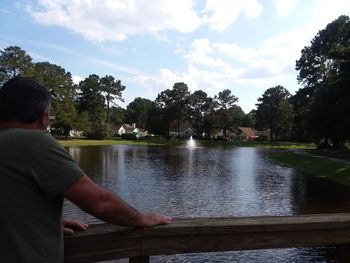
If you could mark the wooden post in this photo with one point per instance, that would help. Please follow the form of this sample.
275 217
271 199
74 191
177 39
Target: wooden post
343 252
144 259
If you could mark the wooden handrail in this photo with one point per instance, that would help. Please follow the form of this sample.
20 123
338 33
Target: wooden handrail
106 241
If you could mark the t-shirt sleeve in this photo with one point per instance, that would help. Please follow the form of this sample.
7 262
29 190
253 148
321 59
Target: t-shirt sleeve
52 167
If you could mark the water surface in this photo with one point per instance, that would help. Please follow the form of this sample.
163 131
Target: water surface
211 182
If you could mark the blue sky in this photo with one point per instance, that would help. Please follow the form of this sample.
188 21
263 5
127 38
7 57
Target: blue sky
246 46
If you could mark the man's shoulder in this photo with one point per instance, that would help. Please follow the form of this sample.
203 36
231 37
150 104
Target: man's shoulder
23 132
24 135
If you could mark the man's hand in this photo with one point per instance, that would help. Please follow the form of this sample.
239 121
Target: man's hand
153 219
69 225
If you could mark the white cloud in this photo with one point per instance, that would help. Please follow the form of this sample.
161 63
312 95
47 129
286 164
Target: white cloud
210 81
116 19
195 78
76 79
37 57
283 7
204 54
268 60
221 14
200 53
233 50
113 66
326 11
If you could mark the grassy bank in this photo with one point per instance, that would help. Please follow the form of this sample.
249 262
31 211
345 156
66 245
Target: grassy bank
114 141
173 142
274 145
334 153
336 171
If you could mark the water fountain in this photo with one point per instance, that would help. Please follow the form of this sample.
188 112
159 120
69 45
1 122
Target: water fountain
191 143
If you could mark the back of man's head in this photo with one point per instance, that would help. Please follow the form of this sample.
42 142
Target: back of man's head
23 100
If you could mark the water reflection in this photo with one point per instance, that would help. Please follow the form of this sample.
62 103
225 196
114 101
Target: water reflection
216 182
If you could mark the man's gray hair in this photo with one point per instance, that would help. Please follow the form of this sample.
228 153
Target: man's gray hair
23 99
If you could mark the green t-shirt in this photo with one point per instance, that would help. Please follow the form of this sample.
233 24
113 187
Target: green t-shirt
34 172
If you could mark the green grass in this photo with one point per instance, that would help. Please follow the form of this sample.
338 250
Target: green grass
336 171
114 141
334 153
274 145
173 142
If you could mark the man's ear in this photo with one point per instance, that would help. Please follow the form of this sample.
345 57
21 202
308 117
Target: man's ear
44 119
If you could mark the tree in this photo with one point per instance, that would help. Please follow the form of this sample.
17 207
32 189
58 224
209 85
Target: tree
138 111
249 119
324 73
301 110
162 112
63 91
91 101
117 115
112 89
13 62
172 104
274 112
198 106
236 116
210 120
179 103
224 101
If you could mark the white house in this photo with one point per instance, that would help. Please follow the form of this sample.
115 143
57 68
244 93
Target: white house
128 129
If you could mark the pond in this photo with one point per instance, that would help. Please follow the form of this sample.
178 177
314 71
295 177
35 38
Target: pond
211 182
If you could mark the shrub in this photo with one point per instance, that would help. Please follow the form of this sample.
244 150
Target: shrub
127 136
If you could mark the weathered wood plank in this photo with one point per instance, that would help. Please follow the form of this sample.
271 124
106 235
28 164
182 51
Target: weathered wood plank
243 241
199 226
104 242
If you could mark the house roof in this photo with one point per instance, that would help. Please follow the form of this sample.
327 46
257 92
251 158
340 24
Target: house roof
247 131
118 126
127 127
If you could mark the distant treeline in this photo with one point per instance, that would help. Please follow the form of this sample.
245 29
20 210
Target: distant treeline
317 112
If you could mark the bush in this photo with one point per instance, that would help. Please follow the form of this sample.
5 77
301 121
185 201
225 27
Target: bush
324 145
127 136
262 138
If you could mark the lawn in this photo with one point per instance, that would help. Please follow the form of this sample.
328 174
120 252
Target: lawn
113 141
173 142
336 171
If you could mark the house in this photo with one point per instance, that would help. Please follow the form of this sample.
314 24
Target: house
246 134
241 134
186 131
127 129
264 134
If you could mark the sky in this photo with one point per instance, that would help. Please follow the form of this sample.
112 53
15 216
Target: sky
246 46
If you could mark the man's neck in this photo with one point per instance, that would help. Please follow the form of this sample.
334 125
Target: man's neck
20 125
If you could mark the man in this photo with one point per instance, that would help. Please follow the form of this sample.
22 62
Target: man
36 173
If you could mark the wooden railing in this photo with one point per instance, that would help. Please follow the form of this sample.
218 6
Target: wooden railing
106 242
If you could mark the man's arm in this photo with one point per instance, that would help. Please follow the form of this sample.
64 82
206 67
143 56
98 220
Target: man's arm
108 207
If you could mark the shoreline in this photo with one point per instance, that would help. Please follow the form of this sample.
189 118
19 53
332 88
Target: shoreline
174 142
318 166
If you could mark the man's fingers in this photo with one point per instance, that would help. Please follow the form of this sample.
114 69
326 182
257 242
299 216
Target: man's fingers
81 226
68 231
153 219
166 219
75 224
